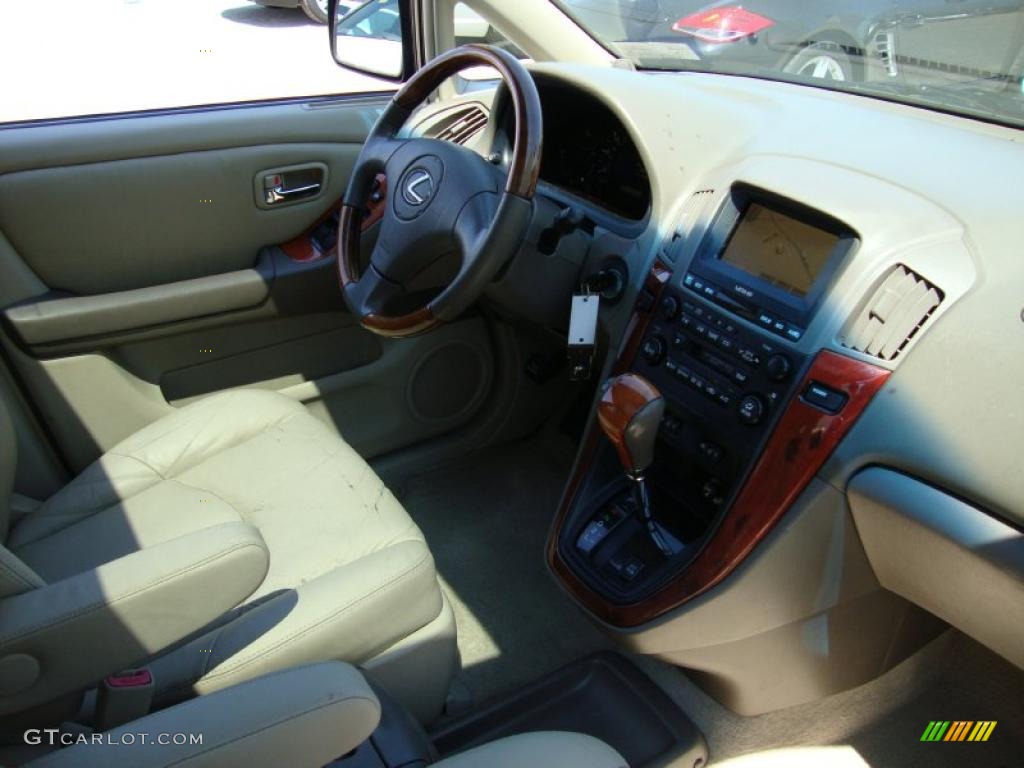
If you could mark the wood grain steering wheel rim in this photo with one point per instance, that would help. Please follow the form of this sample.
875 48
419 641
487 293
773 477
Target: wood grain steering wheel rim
509 208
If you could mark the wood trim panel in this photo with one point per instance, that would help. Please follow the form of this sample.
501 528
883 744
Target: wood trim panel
302 248
637 327
800 444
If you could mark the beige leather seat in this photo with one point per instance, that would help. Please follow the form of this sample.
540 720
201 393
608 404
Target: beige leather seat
301 718
239 532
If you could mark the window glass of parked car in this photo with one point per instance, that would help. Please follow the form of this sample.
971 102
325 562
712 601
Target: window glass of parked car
963 57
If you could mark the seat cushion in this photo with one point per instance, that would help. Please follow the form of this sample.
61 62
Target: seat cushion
544 749
350 574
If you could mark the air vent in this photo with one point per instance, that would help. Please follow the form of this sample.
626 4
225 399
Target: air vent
688 217
897 310
463 126
885 52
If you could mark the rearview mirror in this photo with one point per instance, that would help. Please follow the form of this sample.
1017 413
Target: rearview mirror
368 39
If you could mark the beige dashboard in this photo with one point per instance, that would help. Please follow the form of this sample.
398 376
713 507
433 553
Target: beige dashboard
931 195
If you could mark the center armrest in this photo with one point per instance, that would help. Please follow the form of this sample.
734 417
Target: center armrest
124 611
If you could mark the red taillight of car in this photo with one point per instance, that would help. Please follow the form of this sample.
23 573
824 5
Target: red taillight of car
722 25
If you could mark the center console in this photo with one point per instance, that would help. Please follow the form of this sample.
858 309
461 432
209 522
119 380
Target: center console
719 338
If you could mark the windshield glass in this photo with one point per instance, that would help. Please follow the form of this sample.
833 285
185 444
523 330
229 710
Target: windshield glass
961 56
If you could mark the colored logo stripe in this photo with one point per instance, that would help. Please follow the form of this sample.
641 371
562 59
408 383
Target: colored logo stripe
958 730
982 730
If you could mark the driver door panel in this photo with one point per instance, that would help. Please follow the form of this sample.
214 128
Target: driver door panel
138 273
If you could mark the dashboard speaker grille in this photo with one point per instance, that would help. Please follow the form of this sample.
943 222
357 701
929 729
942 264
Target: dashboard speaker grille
463 126
897 310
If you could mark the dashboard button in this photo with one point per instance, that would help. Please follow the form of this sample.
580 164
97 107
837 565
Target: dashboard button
751 409
711 492
748 355
824 397
710 451
670 307
654 349
777 367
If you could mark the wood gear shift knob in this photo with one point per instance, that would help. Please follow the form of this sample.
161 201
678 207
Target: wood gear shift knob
630 412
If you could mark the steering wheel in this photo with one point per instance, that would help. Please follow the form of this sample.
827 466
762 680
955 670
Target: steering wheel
445 206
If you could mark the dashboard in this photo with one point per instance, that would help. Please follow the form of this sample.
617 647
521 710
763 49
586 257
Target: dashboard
588 152
812 296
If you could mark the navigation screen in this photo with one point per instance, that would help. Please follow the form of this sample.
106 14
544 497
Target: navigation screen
779 249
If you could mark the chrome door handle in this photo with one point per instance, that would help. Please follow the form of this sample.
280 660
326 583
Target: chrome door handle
279 194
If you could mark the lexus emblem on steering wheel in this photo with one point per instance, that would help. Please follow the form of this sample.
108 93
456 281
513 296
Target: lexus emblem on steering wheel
419 186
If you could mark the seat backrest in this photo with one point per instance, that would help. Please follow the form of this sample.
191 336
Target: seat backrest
8 465
15 576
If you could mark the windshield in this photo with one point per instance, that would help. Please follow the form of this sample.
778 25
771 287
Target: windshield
961 56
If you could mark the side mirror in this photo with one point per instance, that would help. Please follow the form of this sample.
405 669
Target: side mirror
368 39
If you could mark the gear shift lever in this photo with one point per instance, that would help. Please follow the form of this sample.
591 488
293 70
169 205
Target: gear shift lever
630 412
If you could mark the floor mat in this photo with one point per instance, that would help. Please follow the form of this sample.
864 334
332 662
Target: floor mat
953 678
486 520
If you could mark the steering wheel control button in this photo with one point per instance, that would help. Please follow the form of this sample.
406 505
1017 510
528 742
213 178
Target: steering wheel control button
418 186
824 397
751 410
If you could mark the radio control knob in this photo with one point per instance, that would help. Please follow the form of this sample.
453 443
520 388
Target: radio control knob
654 350
751 410
670 308
778 367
